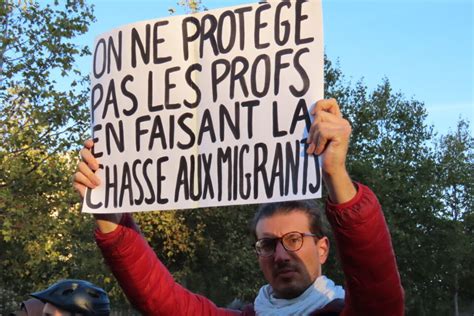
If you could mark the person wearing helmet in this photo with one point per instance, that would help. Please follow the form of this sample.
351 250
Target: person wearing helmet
30 307
74 297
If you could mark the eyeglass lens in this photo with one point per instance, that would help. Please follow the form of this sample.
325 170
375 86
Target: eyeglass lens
292 242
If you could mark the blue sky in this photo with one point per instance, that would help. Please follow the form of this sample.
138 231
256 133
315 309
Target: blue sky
424 47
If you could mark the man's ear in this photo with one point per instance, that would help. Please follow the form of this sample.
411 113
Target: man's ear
323 249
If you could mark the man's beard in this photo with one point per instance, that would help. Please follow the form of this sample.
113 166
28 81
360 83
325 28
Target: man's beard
291 287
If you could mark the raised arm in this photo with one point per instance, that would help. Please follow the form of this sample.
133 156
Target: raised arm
372 280
84 178
329 137
146 282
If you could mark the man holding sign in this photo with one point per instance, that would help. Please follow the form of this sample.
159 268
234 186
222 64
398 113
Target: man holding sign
290 251
177 109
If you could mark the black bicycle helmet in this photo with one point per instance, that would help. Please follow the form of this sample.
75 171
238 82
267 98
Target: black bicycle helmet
76 296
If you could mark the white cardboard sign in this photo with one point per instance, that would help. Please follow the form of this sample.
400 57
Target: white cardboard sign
208 109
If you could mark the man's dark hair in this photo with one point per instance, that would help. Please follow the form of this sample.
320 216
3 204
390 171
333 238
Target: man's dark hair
309 207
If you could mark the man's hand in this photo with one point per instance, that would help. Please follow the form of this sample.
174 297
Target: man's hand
329 137
84 178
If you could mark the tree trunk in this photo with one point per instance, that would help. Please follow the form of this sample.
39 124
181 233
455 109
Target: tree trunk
456 305
3 46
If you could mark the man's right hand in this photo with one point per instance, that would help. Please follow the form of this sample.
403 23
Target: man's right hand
84 178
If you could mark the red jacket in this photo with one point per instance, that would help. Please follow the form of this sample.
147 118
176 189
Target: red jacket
372 281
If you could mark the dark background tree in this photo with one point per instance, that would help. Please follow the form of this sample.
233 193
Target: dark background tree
455 166
424 182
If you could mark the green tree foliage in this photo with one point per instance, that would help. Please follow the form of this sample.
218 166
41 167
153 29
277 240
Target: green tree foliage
37 50
456 177
456 173
43 112
189 6
424 184
39 117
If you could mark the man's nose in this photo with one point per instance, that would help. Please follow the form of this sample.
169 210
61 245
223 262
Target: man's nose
281 254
